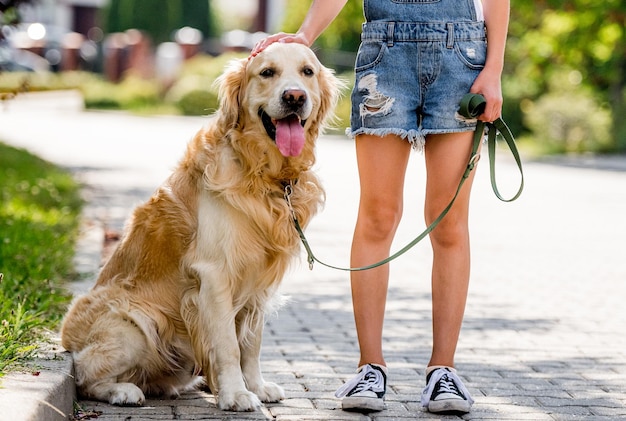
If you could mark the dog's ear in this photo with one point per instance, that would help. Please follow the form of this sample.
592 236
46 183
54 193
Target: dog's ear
330 89
230 91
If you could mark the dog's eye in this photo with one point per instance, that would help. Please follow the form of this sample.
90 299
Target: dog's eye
267 73
308 71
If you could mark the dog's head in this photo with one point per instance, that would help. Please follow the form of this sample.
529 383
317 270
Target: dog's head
284 92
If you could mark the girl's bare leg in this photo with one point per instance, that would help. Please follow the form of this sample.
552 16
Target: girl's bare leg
382 163
446 157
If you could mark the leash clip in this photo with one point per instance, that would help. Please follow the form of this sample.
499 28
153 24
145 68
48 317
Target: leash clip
287 196
473 161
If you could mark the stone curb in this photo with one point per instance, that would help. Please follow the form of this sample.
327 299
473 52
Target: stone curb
46 394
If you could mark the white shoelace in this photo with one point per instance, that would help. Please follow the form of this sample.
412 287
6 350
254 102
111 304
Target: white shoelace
366 379
452 378
446 385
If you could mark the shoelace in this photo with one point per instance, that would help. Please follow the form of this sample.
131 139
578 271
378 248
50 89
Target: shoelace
447 385
367 379
451 377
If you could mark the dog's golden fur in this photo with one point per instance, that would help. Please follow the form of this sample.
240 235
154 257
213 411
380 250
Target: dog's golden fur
187 288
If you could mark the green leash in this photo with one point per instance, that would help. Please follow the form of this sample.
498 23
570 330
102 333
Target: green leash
471 106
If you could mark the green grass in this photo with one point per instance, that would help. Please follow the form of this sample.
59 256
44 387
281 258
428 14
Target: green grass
39 215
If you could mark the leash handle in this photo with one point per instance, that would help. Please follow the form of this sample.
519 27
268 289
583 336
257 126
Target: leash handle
471 106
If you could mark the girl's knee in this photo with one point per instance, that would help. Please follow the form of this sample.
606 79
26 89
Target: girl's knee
379 223
450 234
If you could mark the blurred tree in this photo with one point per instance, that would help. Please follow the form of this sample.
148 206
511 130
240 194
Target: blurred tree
159 18
198 14
580 42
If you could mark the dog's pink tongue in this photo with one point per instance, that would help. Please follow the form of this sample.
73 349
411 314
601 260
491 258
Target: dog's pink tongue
289 136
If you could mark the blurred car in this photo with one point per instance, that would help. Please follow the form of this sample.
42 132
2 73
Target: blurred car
13 60
46 41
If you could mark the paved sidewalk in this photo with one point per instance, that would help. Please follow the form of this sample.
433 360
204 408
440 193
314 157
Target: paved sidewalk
543 334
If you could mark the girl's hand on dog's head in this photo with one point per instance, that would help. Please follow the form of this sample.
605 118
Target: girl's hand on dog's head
279 37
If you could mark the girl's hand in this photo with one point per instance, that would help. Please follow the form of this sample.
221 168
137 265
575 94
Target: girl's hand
279 37
488 85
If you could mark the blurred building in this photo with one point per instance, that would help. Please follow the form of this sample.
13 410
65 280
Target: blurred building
269 16
71 15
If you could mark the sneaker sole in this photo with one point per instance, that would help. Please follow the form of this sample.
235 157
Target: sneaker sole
358 404
452 405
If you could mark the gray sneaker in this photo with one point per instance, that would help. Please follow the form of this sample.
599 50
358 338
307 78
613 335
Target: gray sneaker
445 392
366 391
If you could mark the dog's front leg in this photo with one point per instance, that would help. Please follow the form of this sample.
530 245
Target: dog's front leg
251 365
219 346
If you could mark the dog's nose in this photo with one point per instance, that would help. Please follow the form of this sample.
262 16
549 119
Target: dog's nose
294 98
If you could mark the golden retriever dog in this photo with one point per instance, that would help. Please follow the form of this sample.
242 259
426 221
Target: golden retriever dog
187 289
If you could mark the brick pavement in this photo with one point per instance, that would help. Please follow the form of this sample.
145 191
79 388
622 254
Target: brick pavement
542 335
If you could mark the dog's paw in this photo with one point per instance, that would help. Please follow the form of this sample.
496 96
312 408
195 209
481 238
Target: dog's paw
239 401
270 392
126 394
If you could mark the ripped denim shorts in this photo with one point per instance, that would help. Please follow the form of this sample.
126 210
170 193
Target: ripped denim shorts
411 76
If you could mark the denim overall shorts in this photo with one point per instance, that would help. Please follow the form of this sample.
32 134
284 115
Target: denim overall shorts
416 60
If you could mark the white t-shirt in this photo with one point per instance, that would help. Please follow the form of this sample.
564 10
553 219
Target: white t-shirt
478 5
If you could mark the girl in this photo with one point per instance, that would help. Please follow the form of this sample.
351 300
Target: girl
416 60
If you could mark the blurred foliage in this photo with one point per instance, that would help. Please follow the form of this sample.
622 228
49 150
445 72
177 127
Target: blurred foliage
568 118
564 50
194 91
159 18
197 102
565 55
132 93
9 13
344 33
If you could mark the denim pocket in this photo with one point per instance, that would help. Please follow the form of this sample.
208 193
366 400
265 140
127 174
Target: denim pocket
369 55
472 53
